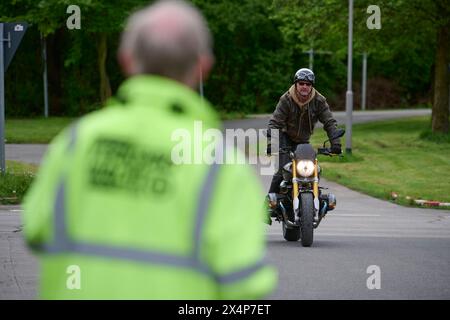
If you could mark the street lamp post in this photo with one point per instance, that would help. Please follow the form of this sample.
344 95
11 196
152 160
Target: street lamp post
364 82
2 105
349 94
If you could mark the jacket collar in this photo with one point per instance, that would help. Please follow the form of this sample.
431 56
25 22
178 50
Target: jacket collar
152 91
146 88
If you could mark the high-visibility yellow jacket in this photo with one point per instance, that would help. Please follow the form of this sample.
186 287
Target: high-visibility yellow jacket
111 216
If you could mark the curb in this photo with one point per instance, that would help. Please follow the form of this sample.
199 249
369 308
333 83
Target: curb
421 202
432 203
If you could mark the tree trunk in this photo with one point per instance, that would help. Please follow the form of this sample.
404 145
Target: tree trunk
440 112
54 65
102 51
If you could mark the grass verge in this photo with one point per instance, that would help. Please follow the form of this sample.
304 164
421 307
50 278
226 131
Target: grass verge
43 130
398 156
39 130
16 181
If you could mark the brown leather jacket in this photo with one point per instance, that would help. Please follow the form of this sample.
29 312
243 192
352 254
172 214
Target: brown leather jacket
298 121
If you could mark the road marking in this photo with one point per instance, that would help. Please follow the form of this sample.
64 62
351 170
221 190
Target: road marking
371 235
353 215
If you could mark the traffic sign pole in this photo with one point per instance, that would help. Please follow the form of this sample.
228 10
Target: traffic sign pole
15 32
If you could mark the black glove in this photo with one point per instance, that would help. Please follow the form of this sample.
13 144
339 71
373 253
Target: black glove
336 149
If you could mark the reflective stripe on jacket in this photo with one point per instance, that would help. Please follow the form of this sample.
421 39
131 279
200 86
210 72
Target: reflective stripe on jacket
109 201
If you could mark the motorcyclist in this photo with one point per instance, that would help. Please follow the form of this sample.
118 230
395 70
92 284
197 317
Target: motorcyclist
295 116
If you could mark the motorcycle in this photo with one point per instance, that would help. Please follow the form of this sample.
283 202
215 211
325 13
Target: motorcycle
302 204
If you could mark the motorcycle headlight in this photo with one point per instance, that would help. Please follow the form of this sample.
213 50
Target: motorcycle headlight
305 168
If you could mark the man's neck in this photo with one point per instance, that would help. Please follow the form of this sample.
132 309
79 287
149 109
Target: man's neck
304 98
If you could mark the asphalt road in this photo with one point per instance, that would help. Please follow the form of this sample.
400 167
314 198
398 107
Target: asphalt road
409 246
18 267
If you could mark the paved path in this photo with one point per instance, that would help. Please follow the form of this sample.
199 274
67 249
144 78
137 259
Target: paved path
261 121
32 153
29 153
18 267
409 245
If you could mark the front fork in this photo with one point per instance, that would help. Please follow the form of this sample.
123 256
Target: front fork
296 189
316 187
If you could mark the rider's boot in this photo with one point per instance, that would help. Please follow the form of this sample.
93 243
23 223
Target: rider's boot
267 211
270 205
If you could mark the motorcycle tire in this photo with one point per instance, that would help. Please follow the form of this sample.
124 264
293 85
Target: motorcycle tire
307 218
290 234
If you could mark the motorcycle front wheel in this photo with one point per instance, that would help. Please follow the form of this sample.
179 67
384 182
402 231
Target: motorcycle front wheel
307 218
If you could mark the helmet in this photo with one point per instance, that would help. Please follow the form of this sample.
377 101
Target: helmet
304 74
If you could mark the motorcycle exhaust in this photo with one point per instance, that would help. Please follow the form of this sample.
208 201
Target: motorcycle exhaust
285 216
331 201
272 200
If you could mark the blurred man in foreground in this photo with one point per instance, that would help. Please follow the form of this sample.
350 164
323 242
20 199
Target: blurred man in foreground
111 215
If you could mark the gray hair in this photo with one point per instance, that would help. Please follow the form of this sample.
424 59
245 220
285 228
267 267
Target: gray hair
166 39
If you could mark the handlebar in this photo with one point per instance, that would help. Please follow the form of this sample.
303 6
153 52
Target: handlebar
327 152
324 151
281 151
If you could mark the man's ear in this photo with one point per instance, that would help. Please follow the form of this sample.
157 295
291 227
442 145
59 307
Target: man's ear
126 63
200 71
204 66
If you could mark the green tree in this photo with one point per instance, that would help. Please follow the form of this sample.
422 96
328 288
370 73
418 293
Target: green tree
258 46
413 38
252 63
102 20
99 21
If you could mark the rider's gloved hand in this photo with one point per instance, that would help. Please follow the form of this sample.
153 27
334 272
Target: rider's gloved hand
336 149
